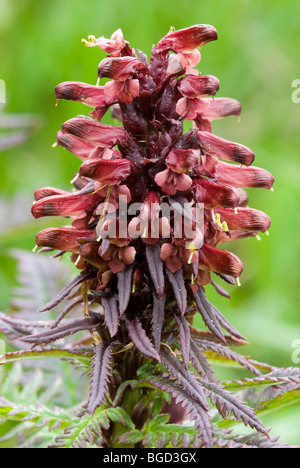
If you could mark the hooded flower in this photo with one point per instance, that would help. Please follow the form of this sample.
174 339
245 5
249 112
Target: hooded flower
152 204
152 160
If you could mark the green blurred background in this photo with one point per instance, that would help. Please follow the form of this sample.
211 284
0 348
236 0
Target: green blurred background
256 59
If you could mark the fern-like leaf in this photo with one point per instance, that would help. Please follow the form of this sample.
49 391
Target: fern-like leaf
158 314
111 314
184 338
124 287
67 290
208 315
177 282
156 271
140 339
196 412
71 328
184 377
227 404
100 376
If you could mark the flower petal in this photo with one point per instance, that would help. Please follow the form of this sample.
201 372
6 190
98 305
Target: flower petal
225 149
65 239
214 194
94 132
243 177
198 86
69 204
107 171
188 39
120 68
219 261
92 96
245 219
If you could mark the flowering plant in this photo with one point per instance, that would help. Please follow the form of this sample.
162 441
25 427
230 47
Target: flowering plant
150 205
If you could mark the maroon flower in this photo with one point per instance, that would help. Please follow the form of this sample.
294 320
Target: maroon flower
187 40
154 162
109 172
144 253
193 88
113 46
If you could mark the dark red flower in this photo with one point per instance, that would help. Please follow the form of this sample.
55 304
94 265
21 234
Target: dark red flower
187 40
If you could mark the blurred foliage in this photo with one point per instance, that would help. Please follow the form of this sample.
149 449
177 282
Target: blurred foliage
256 60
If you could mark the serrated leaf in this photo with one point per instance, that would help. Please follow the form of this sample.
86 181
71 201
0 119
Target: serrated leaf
197 414
200 362
78 435
208 315
157 422
230 355
227 325
120 416
111 314
81 356
184 377
184 338
177 282
71 328
124 287
131 437
158 315
36 414
67 290
227 404
140 340
101 373
280 402
228 439
156 270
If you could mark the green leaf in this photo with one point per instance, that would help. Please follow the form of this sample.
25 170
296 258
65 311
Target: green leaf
120 416
276 377
156 423
81 356
280 402
36 414
83 431
224 361
131 437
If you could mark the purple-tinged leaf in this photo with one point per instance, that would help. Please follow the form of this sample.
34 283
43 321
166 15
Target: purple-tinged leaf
200 362
101 373
229 354
158 315
228 404
290 374
220 290
177 282
208 315
196 412
140 340
111 314
226 325
184 377
124 288
67 309
228 279
61 332
66 291
208 336
131 437
14 328
156 270
248 441
83 357
184 339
